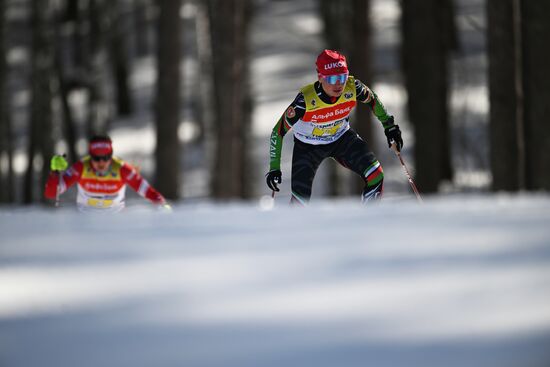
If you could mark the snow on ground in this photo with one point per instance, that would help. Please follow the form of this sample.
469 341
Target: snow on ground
458 281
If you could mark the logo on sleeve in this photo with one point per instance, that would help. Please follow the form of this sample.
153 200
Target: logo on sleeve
290 112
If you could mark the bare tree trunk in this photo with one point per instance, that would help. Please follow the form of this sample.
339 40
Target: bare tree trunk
6 116
229 22
505 97
80 44
5 136
167 104
425 59
10 176
205 115
118 35
360 65
69 128
448 43
536 83
247 103
72 13
41 142
99 115
7 177
340 13
142 28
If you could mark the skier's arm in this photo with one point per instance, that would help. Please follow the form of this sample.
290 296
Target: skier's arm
140 185
68 178
391 130
366 95
276 144
292 114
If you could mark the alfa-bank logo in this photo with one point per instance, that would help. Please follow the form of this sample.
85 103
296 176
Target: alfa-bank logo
336 113
332 65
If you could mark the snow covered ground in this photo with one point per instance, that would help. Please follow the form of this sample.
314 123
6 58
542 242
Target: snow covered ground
458 281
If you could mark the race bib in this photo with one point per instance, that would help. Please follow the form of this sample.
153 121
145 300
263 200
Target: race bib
99 203
327 131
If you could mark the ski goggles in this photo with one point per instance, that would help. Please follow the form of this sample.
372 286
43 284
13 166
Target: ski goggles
104 158
336 78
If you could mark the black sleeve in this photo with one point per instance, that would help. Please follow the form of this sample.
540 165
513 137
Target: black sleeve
296 110
362 92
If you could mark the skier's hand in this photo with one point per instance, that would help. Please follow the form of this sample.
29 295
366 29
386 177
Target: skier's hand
58 163
273 178
393 134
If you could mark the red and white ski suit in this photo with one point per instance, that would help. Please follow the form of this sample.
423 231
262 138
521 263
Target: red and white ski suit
101 192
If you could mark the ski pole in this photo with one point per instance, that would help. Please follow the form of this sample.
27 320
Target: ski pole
58 189
411 182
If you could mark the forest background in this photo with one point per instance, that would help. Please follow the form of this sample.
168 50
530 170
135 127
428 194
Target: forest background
189 90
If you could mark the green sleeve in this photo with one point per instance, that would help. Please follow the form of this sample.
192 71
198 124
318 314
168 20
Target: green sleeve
276 145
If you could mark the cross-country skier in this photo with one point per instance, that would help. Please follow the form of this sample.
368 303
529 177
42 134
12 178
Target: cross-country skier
101 179
319 118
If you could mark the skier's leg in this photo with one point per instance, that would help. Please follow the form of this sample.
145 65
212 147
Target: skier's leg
354 153
306 158
374 182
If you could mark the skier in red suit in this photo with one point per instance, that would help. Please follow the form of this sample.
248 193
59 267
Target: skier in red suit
101 179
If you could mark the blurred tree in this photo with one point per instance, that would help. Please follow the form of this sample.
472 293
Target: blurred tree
505 96
360 62
336 16
229 24
69 124
99 115
429 34
360 66
6 147
519 91
203 110
73 15
535 24
142 9
118 35
42 66
167 104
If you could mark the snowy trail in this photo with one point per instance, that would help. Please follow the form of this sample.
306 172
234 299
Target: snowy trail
460 281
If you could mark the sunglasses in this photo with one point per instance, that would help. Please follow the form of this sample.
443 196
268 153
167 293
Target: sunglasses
333 79
97 158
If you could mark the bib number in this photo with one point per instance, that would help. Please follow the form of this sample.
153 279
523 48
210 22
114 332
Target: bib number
327 131
99 203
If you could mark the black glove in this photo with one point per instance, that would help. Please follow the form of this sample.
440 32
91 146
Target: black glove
393 134
273 178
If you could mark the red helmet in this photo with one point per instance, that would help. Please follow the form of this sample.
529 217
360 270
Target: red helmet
100 146
331 62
